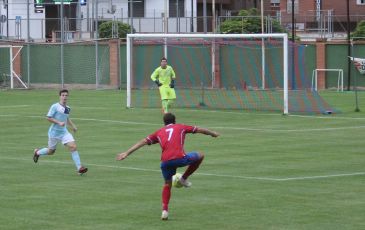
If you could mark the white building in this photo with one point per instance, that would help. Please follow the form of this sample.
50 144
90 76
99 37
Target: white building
146 16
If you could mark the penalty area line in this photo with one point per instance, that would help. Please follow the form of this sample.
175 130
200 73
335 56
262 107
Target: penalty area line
212 127
202 174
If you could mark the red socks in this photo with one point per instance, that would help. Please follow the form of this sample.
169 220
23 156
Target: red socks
166 193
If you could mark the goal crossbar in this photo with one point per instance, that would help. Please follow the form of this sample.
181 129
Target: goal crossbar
283 36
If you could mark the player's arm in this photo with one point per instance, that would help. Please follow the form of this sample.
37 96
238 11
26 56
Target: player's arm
52 120
72 125
206 132
135 147
154 77
173 76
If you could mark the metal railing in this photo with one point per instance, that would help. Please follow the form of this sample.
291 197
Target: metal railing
324 24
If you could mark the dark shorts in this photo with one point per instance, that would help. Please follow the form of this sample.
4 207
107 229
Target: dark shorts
168 168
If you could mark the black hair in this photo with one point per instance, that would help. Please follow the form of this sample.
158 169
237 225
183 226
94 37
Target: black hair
63 91
169 118
163 58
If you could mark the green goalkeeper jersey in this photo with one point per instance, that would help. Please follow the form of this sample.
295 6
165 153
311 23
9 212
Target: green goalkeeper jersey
164 76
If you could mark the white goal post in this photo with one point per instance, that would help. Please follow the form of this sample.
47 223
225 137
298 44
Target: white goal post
339 78
12 73
282 36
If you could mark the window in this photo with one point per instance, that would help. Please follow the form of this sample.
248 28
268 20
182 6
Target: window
176 6
360 2
296 6
275 3
138 8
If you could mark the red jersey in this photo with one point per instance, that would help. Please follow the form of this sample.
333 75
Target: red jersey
171 139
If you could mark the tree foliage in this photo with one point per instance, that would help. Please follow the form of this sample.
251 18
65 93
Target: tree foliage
105 29
359 33
249 22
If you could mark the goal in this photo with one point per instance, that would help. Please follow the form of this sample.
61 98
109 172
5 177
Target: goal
339 78
221 71
10 70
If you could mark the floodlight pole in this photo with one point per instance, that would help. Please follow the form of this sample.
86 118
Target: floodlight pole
192 17
131 15
28 41
292 20
62 41
213 47
96 46
205 15
165 29
293 43
348 45
7 19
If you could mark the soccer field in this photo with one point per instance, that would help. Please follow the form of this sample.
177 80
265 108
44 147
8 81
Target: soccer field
265 171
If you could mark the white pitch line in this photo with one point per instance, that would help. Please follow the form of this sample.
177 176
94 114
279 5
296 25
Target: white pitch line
316 116
212 127
227 112
93 108
329 117
89 119
114 121
14 106
202 174
323 176
290 130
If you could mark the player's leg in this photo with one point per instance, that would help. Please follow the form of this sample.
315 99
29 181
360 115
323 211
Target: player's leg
69 141
165 105
171 95
194 159
170 103
167 172
164 98
166 195
50 150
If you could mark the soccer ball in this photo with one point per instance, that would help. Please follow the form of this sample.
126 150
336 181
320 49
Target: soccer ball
176 180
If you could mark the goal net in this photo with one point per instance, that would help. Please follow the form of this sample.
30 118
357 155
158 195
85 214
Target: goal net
222 71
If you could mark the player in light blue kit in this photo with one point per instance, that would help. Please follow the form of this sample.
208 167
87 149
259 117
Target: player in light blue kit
58 115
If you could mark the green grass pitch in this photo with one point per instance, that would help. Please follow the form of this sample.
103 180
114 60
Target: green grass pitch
265 171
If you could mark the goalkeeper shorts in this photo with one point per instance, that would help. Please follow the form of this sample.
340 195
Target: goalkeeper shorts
167 93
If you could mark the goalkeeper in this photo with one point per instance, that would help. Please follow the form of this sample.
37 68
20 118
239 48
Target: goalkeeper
164 77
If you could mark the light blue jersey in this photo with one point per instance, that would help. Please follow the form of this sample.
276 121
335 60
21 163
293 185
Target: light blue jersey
60 113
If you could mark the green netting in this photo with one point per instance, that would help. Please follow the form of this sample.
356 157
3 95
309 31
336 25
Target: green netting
44 63
79 65
4 66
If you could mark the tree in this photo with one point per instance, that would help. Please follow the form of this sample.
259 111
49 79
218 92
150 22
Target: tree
359 32
106 28
249 22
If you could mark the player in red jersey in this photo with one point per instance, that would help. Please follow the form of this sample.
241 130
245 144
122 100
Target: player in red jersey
171 138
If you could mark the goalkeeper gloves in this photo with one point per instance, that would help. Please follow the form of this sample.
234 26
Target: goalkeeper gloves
172 84
158 83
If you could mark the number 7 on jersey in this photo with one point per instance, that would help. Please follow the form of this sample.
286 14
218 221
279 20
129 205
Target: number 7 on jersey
170 131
